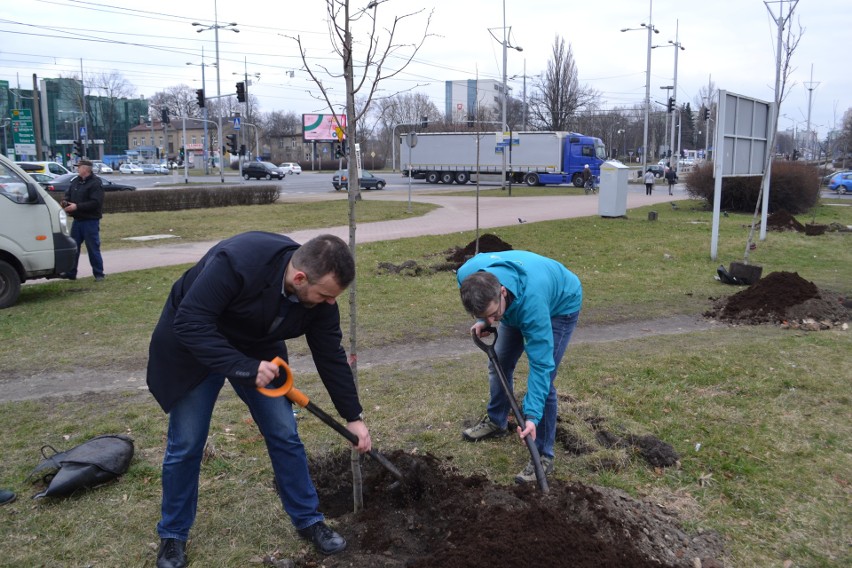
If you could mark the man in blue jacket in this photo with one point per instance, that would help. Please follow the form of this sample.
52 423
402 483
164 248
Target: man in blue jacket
536 302
226 318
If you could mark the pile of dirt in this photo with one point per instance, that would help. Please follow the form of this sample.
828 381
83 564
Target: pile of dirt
783 298
781 220
441 518
487 243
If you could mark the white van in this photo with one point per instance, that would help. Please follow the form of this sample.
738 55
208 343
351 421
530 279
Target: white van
35 240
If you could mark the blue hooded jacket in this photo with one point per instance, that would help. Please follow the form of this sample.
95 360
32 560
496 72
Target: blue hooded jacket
543 288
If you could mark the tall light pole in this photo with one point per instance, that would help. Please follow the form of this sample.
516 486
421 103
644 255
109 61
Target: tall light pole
650 27
677 48
215 27
505 126
204 110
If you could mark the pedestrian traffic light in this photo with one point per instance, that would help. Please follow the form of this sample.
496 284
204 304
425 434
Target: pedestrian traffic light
232 143
241 92
338 152
706 114
165 116
78 147
199 93
671 104
181 152
242 149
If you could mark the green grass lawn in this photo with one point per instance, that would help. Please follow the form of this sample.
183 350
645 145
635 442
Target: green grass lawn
759 415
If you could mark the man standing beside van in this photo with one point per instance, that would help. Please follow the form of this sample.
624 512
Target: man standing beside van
84 202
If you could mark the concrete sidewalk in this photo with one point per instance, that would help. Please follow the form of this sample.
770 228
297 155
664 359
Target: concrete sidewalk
454 214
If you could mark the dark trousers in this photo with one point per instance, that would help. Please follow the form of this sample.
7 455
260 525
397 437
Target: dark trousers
88 231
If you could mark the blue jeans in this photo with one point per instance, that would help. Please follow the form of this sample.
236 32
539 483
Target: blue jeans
509 348
88 231
189 423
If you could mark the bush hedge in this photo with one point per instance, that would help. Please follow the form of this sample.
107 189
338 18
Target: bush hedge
185 198
793 187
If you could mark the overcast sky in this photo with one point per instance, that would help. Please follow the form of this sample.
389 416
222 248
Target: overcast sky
731 42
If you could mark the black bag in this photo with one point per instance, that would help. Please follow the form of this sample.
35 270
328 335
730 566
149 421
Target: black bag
92 463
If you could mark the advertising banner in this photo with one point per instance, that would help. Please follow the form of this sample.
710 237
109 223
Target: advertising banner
323 127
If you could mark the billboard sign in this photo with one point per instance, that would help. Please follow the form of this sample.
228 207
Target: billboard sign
323 127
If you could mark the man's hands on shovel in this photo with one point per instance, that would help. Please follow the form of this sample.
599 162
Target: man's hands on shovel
268 371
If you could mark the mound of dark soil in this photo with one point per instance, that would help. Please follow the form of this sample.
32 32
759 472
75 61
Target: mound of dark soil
782 221
782 297
487 243
441 518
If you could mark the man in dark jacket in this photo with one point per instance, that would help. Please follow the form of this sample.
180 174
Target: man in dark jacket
226 318
84 201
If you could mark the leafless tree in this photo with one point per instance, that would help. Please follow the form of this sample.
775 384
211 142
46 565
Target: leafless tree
558 95
365 72
402 113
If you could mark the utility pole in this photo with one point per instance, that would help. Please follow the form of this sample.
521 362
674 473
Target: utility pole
810 86
85 137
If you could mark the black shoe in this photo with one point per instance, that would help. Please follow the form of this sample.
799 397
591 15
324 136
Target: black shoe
67 276
172 553
100 278
7 497
325 540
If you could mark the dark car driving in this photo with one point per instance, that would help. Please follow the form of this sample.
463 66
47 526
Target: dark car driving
262 170
62 183
367 180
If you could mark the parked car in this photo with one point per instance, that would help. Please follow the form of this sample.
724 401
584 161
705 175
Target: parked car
43 168
262 170
291 168
130 169
101 168
841 182
366 181
44 180
154 169
61 184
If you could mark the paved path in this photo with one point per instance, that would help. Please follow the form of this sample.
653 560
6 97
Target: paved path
455 213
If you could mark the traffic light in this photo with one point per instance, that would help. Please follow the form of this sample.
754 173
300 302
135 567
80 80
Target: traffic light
242 149
671 104
78 147
199 93
232 143
165 116
241 92
706 114
338 152
181 152
424 121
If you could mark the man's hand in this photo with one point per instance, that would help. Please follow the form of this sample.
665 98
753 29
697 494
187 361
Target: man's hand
529 430
365 444
70 207
267 372
478 328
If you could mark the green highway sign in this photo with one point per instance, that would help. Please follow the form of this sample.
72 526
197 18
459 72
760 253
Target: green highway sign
23 133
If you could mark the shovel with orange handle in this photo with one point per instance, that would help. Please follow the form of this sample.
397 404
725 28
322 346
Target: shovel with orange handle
298 397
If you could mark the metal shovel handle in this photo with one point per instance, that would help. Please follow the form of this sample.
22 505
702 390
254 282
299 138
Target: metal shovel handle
540 476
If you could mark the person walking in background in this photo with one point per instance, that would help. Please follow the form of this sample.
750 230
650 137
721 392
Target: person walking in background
227 318
671 178
649 181
84 202
535 302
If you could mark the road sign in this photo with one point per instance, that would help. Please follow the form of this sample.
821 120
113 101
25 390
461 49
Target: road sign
22 131
82 132
236 123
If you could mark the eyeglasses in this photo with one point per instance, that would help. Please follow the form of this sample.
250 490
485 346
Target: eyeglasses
498 313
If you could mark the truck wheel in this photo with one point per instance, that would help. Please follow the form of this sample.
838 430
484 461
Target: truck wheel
462 178
447 177
531 179
432 177
10 285
577 180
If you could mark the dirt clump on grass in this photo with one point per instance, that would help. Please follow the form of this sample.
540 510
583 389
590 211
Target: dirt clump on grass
451 259
439 517
781 220
783 298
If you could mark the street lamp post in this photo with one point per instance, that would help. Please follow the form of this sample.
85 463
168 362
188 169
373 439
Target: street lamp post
204 112
650 27
505 126
677 48
215 27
